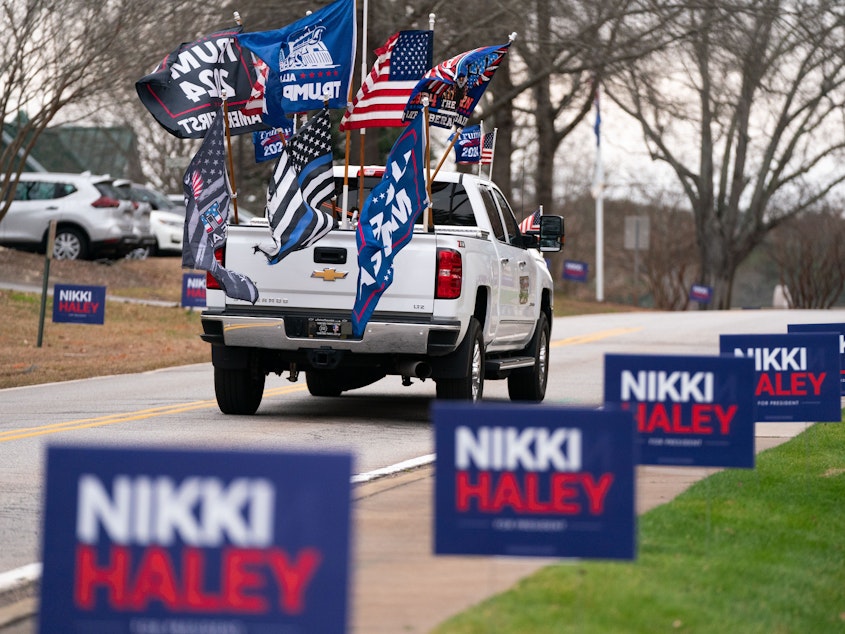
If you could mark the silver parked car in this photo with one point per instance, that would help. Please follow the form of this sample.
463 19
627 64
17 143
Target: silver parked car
127 190
92 221
167 219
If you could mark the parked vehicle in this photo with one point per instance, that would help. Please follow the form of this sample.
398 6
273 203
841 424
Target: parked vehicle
167 219
127 190
470 300
92 221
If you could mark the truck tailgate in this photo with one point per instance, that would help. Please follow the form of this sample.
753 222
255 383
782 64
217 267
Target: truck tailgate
325 275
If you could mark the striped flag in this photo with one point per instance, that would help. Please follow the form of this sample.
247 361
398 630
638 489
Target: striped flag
382 97
301 182
532 222
488 147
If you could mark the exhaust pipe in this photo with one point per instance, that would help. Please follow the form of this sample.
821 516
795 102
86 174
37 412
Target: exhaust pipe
419 369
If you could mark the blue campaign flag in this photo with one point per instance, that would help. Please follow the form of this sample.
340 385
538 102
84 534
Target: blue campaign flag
796 375
838 329
75 304
165 540
269 143
533 481
688 410
468 145
309 60
387 220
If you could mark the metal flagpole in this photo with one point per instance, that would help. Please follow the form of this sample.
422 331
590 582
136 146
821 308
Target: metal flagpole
598 193
362 131
492 154
344 204
480 146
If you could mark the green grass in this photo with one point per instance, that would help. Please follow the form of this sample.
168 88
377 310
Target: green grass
743 551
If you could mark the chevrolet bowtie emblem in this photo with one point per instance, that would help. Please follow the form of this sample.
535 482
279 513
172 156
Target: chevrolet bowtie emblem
330 275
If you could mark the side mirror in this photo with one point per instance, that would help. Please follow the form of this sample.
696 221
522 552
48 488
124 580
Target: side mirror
551 233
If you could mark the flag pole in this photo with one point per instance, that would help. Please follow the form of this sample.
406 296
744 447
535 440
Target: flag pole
448 149
480 147
492 154
230 161
428 220
362 131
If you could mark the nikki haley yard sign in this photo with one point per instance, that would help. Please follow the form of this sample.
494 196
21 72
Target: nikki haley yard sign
534 481
74 304
839 329
163 541
689 411
796 375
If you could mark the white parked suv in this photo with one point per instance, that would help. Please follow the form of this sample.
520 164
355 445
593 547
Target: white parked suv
167 219
92 221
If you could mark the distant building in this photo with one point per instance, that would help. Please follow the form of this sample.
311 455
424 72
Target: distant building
100 150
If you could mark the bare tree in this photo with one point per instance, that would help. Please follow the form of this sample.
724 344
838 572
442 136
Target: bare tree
810 253
745 107
54 55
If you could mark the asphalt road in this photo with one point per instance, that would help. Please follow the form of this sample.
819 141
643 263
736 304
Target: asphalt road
382 425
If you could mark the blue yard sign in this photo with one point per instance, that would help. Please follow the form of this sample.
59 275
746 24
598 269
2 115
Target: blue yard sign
701 293
144 540
688 410
193 290
796 375
534 481
74 304
839 329
575 271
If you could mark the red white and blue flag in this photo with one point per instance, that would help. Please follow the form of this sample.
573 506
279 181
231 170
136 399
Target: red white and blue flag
455 87
532 222
207 199
488 147
399 65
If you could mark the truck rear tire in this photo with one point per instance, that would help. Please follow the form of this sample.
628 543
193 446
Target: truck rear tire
238 391
469 387
529 384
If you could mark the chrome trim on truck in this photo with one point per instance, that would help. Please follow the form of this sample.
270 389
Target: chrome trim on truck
380 337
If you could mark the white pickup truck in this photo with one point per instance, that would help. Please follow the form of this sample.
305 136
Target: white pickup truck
470 300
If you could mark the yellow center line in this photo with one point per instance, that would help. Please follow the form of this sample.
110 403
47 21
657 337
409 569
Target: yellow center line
125 417
594 336
111 419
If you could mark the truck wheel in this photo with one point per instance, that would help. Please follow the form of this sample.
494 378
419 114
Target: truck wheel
529 384
322 383
469 387
238 391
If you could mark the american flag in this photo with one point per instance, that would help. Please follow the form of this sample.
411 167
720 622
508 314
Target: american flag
206 190
532 222
488 147
399 65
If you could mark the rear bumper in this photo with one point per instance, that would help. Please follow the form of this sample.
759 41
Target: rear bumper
381 337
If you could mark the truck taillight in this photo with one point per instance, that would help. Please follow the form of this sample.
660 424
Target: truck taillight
449 274
210 282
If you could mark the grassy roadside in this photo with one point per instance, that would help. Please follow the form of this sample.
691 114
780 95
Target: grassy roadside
134 338
742 551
